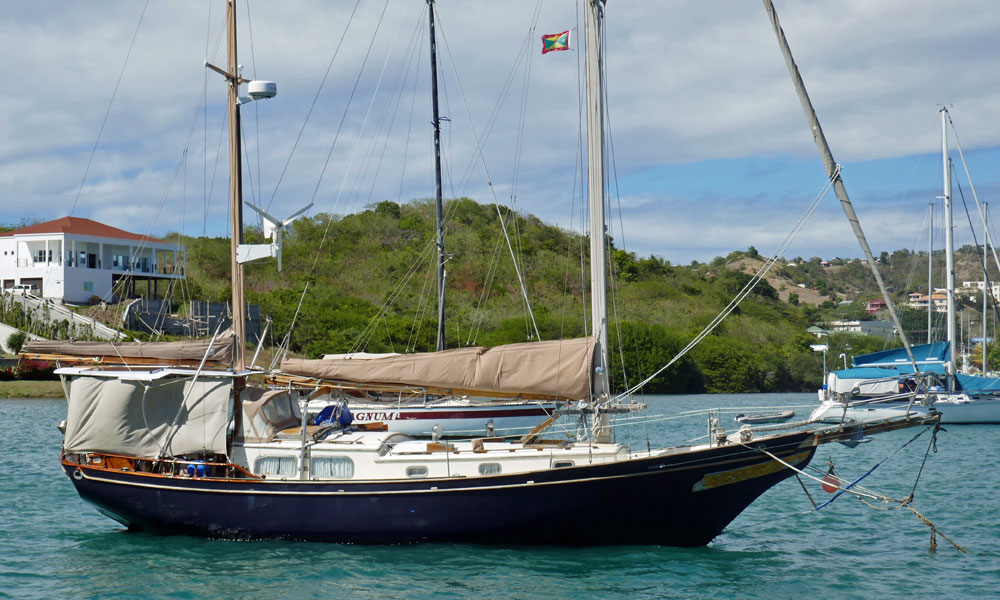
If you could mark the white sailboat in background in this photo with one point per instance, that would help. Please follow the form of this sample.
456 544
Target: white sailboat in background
882 384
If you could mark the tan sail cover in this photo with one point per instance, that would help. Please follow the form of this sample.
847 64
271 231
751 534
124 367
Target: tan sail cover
266 412
194 350
108 414
557 369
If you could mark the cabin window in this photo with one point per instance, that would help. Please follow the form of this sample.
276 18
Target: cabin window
417 471
332 467
283 466
562 464
489 469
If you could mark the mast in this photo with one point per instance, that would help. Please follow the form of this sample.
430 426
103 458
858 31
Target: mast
235 192
986 280
833 172
930 271
436 123
595 167
949 249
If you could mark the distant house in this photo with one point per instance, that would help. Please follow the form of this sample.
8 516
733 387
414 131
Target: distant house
969 288
824 263
883 329
938 301
873 306
817 331
73 259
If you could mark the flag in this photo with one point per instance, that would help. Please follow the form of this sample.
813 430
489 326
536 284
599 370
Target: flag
555 41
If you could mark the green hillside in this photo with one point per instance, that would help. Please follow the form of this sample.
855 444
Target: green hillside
371 288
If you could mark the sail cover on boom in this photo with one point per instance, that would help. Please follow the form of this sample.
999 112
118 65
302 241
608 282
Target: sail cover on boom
221 351
554 369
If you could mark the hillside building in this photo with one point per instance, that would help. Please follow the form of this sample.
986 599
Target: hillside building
73 259
938 301
971 287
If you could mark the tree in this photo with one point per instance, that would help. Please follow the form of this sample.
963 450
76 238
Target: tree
15 341
647 348
730 366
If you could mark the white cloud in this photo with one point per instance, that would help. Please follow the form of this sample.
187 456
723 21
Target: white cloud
688 82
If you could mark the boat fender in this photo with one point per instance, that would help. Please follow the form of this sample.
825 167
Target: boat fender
345 418
78 474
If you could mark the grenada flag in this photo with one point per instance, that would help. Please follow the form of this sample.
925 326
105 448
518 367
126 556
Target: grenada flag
555 41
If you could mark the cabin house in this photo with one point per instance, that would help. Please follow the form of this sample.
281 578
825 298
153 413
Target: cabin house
883 329
73 259
873 306
938 301
969 288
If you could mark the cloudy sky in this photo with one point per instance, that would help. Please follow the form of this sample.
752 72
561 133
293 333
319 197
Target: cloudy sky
711 152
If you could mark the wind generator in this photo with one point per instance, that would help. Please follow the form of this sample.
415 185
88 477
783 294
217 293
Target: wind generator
273 228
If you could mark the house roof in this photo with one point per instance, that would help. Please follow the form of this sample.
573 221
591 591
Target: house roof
81 226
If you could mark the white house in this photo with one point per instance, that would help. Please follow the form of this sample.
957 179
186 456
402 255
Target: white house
970 287
938 301
883 329
74 259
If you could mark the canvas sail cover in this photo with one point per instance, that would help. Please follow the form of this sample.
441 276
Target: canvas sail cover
266 412
194 350
556 369
113 415
934 353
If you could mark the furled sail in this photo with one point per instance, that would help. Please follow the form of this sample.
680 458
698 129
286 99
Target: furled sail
555 369
186 350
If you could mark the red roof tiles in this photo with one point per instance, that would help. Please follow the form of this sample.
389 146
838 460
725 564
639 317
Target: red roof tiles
81 226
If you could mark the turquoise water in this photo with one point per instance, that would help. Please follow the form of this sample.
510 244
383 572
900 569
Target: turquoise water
53 545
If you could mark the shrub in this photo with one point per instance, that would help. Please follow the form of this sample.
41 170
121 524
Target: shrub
35 370
15 341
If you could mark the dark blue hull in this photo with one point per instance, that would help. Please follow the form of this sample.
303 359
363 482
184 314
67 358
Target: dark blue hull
685 499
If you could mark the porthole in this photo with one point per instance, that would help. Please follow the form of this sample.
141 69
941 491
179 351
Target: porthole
332 467
489 469
416 471
283 466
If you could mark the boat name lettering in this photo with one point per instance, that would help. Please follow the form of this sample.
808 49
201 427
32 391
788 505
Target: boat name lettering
376 416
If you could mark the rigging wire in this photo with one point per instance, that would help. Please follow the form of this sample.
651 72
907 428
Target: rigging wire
340 127
204 100
319 90
743 293
256 108
104 121
489 182
987 287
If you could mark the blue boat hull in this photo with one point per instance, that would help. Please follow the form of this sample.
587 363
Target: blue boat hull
685 499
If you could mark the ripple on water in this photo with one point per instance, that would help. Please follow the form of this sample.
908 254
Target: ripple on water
54 545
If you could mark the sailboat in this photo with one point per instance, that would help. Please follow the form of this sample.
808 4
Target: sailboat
155 449
883 384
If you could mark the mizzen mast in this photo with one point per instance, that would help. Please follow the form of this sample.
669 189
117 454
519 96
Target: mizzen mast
436 122
235 192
